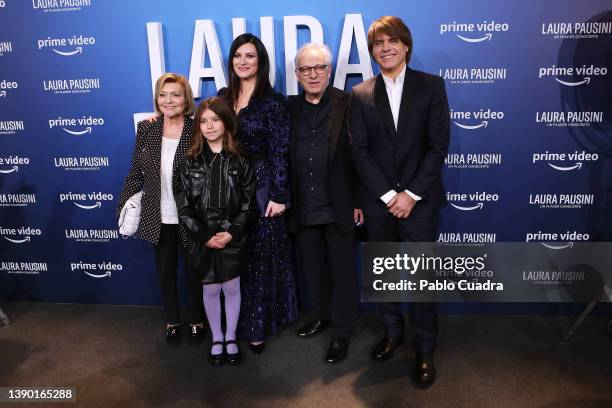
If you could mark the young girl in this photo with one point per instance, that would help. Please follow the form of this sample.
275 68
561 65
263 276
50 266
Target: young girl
215 204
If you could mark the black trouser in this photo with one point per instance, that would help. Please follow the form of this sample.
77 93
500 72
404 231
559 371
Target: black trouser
333 291
166 258
423 316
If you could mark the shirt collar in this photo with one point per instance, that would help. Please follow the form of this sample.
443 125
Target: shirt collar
208 153
399 80
322 101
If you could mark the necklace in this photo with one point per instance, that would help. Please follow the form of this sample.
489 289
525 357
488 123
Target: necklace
213 160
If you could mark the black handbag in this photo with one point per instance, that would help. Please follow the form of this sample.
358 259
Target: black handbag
262 193
262 196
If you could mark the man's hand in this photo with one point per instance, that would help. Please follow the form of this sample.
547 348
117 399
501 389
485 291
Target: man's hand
401 205
358 216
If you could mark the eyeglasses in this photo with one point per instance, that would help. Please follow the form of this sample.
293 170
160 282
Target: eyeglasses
318 69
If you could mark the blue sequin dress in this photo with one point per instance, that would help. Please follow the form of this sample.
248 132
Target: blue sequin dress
268 287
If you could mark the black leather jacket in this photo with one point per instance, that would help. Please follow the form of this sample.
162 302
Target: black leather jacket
193 195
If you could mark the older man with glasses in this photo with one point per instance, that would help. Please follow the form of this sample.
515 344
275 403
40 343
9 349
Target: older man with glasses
324 216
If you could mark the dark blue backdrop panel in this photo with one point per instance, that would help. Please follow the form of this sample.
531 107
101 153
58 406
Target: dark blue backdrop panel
528 86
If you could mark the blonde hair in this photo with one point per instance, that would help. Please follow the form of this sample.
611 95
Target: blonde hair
171 78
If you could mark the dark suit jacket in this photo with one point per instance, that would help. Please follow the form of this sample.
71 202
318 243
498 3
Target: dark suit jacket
341 176
145 175
410 158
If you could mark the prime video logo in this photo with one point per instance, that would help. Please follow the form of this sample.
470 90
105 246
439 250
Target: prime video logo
96 270
584 74
474 33
554 237
482 117
66 47
478 199
13 234
13 162
78 199
6 85
85 124
576 159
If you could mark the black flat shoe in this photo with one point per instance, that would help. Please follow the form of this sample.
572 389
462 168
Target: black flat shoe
232 358
337 351
257 349
385 348
425 372
216 359
196 335
312 328
173 335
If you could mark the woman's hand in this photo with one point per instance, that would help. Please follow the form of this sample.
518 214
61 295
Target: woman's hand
274 209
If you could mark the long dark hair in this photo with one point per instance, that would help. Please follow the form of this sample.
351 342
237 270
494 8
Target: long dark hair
262 84
226 114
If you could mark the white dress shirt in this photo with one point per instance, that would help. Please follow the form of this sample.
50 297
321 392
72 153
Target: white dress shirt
169 214
394 93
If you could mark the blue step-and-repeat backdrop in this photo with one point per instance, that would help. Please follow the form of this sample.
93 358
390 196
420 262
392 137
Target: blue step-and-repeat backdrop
529 87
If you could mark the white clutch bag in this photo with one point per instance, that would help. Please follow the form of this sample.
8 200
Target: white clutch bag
129 218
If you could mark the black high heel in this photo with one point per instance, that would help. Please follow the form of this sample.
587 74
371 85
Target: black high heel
257 349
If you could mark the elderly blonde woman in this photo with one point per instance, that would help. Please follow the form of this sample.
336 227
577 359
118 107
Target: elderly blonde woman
156 162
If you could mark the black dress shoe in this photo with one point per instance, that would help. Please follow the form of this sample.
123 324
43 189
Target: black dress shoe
424 372
257 349
232 358
216 359
338 348
383 351
196 335
173 335
313 328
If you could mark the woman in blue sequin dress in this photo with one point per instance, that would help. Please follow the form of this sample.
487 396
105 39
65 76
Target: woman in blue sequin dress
268 287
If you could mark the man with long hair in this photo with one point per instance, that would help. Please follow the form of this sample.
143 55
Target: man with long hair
400 131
